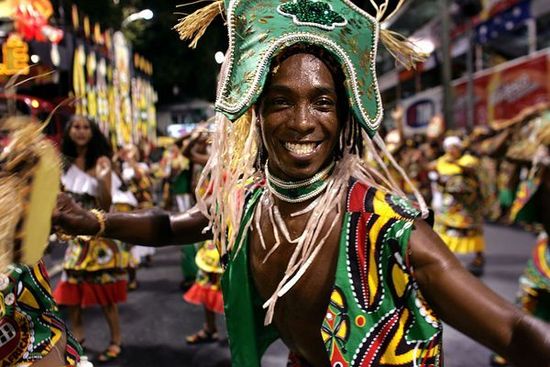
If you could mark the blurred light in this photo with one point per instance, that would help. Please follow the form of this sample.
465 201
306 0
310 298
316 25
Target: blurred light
220 57
146 14
35 103
35 59
54 55
423 45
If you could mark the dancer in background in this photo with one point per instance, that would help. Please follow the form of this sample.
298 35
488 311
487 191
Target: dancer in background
32 332
94 270
459 221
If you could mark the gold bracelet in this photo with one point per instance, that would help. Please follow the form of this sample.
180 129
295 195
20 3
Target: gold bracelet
100 216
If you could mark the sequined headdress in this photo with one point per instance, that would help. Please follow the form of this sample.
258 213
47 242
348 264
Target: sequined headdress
259 29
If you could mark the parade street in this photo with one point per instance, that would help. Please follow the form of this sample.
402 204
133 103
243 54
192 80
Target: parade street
155 319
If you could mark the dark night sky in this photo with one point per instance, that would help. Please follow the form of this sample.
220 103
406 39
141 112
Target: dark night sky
192 71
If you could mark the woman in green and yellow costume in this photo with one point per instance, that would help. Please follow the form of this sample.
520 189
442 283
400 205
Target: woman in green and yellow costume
459 220
32 332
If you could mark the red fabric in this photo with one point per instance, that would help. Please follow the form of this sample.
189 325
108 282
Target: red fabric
210 297
89 294
294 360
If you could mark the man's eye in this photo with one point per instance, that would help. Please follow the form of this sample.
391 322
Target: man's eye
280 102
325 102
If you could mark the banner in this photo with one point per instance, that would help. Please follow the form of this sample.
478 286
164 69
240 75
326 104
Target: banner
419 109
505 93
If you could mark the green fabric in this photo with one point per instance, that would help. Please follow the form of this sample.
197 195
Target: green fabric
260 29
188 265
396 299
244 316
393 300
182 183
542 310
28 308
506 197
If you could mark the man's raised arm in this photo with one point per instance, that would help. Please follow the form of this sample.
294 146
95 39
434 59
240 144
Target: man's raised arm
468 305
152 227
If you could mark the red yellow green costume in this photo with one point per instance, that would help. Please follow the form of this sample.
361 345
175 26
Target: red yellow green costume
459 221
376 314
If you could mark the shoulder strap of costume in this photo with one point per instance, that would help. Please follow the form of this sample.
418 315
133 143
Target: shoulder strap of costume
368 199
248 337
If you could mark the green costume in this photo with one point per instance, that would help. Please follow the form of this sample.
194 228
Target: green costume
30 322
376 315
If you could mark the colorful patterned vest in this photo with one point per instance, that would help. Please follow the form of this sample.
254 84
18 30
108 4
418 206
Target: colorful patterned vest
30 322
376 314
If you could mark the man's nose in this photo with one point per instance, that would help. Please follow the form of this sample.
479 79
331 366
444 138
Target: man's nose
303 120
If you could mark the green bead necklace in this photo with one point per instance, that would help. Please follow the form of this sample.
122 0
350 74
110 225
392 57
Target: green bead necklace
299 191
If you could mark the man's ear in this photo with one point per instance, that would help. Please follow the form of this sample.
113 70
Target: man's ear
257 110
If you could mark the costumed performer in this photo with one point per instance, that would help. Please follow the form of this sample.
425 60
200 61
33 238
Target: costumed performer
32 332
459 220
206 291
94 269
318 248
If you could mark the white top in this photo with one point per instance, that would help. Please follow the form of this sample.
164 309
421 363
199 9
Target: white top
77 181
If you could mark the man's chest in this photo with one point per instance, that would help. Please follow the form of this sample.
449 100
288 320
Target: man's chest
309 297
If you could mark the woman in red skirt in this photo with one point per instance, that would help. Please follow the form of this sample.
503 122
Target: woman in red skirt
206 291
94 269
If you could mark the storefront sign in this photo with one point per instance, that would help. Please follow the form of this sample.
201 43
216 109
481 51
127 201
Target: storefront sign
505 93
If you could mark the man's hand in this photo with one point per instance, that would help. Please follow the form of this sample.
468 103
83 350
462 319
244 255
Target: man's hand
70 218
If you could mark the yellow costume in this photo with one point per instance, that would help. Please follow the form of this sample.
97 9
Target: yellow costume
459 221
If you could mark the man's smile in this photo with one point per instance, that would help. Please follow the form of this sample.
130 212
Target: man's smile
302 148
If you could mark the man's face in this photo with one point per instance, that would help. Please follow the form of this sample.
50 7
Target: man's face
299 118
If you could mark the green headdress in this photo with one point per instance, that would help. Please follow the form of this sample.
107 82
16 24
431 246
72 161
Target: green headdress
260 29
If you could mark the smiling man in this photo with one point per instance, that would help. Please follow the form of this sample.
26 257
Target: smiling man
318 248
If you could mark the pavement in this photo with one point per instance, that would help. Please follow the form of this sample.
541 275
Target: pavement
155 319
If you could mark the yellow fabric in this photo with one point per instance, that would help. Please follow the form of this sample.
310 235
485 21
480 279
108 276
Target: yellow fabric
446 167
43 195
464 245
208 258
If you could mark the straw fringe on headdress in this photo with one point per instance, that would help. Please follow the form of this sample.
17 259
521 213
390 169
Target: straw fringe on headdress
193 26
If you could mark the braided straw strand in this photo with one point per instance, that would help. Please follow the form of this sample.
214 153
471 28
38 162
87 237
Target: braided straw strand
403 50
193 26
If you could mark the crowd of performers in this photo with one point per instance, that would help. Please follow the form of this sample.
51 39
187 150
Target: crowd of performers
491 174
99 271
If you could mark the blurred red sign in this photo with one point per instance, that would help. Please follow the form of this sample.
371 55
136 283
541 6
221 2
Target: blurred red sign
504 93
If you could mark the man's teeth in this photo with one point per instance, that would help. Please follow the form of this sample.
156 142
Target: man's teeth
301 148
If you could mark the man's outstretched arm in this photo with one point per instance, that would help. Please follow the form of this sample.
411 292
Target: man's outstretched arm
468 305
152 227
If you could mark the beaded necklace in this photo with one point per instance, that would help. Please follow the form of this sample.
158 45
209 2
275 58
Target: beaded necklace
298 191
